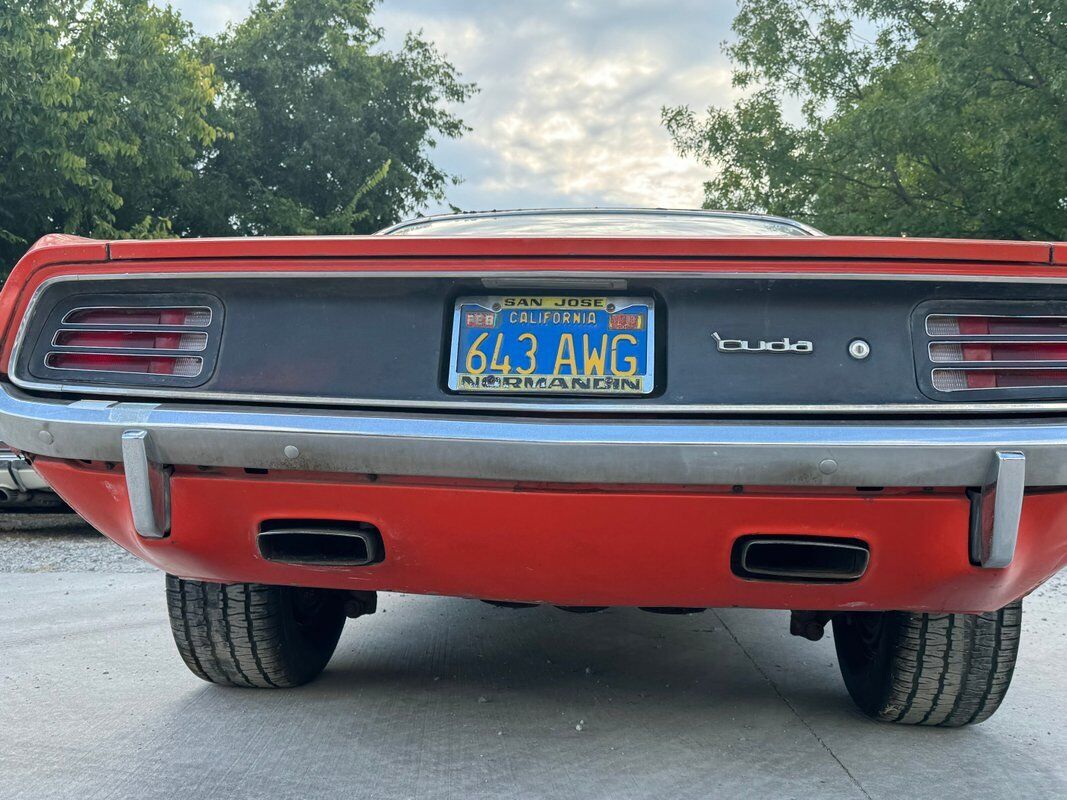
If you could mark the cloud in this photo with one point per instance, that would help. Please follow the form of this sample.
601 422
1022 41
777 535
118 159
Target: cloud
210 16
571 91
588 129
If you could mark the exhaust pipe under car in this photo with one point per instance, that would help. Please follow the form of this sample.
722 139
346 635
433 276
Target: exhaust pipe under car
321 543
802 559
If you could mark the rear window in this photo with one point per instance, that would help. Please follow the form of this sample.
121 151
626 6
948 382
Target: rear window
592 223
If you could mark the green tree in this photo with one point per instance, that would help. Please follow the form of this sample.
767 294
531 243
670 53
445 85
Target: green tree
917 117
103 109
329 133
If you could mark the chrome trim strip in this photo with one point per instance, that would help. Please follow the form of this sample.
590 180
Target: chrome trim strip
930 277
472 404
132 325
176 355
534 283
960 367
950 315
77 348
991 343
770 453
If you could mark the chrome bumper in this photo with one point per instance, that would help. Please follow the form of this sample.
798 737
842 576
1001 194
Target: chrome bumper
915 453
1000 457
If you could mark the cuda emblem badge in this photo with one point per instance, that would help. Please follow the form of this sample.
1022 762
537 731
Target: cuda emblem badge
785 345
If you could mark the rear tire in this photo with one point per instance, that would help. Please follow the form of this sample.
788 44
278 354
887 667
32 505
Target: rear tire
251 634
928 669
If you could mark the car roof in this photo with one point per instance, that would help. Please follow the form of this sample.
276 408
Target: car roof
594 222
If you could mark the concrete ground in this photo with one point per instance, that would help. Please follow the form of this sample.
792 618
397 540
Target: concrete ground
443 698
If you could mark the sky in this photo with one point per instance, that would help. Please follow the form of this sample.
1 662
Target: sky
568 112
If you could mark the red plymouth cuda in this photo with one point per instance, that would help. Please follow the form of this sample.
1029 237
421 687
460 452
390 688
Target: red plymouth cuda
666 410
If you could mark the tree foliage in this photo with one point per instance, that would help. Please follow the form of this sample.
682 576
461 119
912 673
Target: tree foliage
102 110
917 117
328 133
116 121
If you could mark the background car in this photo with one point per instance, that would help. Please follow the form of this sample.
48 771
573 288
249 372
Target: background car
22 490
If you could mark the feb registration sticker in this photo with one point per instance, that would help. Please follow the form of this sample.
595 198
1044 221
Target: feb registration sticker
574 345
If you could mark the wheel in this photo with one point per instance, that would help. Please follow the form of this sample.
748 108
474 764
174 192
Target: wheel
928 669
251 634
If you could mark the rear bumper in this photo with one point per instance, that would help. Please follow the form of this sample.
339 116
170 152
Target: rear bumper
646 452
578 512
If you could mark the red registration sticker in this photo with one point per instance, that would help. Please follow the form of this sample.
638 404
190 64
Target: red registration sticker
480 319
626 322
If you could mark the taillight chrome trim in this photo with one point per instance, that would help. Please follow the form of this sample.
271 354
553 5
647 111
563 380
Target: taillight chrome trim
988 343
968 348
934 373
202 338
122 341
950 315
160 356
135 325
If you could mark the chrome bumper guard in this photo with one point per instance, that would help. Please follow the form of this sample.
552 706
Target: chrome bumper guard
1000 456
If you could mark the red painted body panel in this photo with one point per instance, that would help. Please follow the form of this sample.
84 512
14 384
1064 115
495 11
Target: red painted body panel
74 252
579 546
791 247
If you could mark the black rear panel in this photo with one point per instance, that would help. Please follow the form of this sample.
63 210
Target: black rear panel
349 339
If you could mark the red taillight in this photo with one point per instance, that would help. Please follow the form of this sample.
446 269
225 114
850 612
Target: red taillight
138 340
956 380
942 352
177 317
179 366
976 325
996 351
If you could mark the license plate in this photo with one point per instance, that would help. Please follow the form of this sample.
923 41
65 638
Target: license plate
553 345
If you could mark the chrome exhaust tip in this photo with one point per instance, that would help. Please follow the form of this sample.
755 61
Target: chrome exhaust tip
324 544
801 559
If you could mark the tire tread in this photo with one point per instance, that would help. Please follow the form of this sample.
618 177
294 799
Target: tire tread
243 635
947 670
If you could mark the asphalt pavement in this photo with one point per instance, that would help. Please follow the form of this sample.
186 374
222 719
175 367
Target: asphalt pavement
447 698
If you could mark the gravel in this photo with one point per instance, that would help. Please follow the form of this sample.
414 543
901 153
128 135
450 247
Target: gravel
59 543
